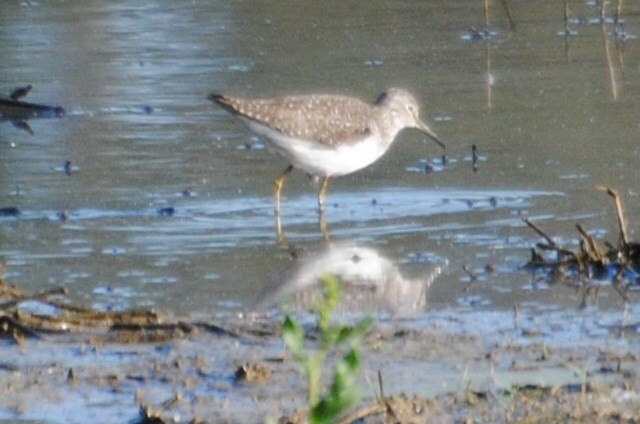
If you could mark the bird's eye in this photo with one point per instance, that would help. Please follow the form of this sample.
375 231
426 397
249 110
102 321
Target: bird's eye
411 109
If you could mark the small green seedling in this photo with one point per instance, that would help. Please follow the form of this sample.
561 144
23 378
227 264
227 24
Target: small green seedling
343 392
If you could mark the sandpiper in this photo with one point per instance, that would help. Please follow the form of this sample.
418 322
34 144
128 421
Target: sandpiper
327 135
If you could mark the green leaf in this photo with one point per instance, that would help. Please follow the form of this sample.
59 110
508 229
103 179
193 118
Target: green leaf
351 360
293 336
332 290
353 334
343 392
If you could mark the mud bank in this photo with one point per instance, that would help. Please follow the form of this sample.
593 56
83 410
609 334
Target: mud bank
438 368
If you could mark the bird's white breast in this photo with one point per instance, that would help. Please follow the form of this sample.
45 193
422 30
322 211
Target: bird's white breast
318 159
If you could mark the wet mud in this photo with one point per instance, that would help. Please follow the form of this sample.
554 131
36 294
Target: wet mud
145 366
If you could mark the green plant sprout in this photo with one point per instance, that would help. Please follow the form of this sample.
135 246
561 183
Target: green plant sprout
343 392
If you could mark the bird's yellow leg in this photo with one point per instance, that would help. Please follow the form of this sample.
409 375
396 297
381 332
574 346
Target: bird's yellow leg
321 194
323 226
278 186
282 240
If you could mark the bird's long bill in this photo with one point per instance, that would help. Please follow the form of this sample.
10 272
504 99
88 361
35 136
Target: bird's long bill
425 129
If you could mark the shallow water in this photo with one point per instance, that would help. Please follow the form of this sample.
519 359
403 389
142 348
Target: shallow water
169 200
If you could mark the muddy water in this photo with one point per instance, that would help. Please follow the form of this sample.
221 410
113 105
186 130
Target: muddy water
168 202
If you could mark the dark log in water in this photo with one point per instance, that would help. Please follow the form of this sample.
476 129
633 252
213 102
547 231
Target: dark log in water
15 110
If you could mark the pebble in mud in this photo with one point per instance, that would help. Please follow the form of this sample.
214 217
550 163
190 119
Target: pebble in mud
253 373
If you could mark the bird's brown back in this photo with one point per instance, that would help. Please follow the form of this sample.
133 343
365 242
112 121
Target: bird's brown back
326 119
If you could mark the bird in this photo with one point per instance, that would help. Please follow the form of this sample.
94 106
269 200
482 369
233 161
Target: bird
327 135
20 92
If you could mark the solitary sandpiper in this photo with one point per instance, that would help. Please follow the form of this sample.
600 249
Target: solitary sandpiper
327 135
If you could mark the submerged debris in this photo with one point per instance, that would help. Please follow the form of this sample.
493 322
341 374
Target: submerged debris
9 211
132 327
18 111
19 324
474 157
127 326
166 211
619 261
475 34
147 415
20 92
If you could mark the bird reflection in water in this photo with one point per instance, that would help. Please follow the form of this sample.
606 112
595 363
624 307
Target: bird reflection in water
370 281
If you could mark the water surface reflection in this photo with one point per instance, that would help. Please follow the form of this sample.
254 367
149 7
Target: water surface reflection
163 204
370 281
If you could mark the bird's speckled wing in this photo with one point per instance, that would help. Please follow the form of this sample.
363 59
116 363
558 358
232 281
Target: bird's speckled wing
329 120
